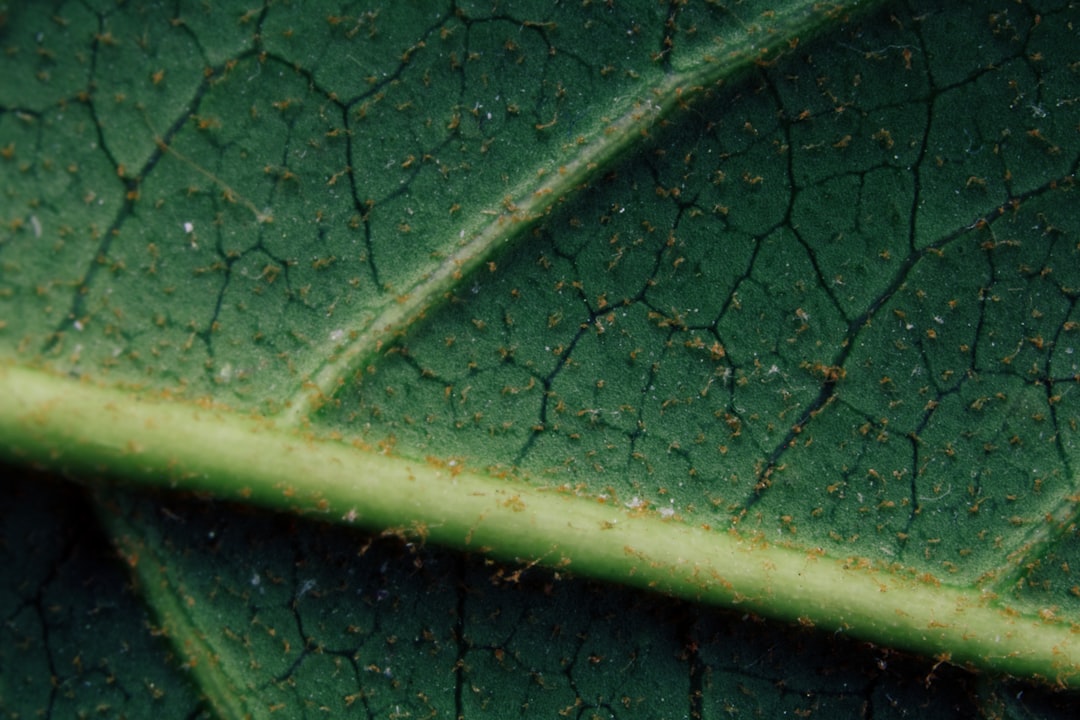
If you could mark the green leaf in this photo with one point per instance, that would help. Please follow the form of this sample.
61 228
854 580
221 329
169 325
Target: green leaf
685 298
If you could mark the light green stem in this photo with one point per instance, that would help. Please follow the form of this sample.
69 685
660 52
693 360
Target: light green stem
70 425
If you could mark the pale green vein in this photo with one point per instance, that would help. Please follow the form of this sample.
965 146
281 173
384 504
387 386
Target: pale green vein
75 426
229 696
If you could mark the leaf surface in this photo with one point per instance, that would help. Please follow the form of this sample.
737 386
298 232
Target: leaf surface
759 318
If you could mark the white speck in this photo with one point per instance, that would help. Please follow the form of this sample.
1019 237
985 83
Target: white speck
36 225
78 325
305 587
337 335
635 503
255 580
189 227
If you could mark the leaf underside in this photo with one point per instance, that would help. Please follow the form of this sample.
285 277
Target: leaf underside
807 279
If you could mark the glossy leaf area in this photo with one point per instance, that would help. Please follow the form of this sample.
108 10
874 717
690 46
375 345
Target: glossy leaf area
769 308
